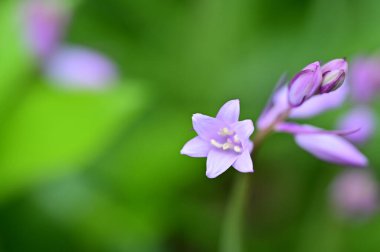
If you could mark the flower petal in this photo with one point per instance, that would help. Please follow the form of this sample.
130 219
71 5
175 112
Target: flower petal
244 128
219 161
196 147
360 117
331 148
206 126
294 128
229 112
320 103
244 163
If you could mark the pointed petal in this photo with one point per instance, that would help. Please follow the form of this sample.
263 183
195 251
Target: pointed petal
218 162
320 103
294 128
196 147
229 112
206 126
331 148
244 128
248 146
244 163
360 117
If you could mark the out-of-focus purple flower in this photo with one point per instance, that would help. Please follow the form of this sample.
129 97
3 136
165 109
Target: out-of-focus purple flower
326 145
360 117
334 74
304 84
364 79
44 22
223 140
78 67
355 193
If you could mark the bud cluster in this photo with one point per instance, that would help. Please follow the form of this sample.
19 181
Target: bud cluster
315 79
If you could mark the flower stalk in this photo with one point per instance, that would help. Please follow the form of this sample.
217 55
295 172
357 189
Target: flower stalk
233 225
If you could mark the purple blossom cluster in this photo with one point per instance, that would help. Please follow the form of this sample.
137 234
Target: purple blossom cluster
225 141
44 25
355 193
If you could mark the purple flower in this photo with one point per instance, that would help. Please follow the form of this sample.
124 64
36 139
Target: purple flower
329 146
78 67
355 193
305 84
334 73
317 104
364 79
360 117
223 140
44 22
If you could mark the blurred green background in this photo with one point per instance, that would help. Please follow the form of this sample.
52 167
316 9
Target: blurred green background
101 171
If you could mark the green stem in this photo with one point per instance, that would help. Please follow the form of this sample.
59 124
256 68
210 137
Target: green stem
231 237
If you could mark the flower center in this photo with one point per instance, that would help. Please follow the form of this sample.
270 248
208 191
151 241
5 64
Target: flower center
230 141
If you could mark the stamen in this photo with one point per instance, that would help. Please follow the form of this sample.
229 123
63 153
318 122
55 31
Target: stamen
225 132
237 149
216 144
236 139
227 146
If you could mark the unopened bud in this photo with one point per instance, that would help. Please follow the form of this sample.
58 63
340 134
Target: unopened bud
332 80
304 84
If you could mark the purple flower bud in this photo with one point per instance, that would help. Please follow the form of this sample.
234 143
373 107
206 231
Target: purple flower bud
336 64
304 84
44 22
334 73
77 67
332 80
355 193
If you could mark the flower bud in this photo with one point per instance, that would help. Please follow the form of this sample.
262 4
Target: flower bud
332 80
334 74
304 84
336 64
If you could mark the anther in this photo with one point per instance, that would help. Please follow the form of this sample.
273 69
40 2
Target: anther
225 132
216 144
227 146
236 139
237 149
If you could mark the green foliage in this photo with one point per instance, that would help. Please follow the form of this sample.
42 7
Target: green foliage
101 170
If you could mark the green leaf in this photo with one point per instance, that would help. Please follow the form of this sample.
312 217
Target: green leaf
54 131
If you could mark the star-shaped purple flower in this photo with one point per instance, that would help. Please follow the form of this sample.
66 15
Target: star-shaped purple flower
224 140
